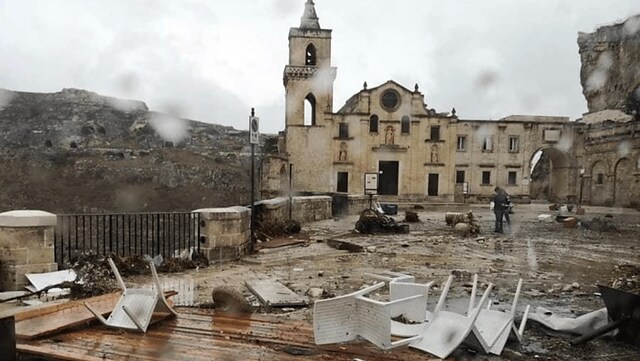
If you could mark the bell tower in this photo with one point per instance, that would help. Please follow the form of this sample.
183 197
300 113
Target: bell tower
309 76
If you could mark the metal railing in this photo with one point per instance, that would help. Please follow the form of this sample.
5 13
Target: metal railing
130 234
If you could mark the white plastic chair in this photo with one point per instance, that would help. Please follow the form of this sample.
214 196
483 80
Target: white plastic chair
348 317
136 307
495 327
448 330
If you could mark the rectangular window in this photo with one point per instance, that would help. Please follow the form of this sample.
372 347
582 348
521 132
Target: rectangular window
435 133
459 176
600 178
343 182
486 177
462 143
512 178
344 130
514 144
487 144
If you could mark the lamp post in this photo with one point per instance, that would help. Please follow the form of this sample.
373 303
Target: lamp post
253 139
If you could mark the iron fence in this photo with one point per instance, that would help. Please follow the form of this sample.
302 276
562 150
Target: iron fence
166 234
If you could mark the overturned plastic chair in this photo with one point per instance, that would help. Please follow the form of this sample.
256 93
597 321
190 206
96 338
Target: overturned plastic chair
348 317
494 328
448 330
137 308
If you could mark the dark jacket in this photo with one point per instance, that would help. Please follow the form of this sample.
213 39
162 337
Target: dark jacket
500 201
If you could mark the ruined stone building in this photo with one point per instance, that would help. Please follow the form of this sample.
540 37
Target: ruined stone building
423 155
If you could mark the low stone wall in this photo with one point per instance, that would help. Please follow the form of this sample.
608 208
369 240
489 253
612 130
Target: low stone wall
303 209
225 232
357 203
26 246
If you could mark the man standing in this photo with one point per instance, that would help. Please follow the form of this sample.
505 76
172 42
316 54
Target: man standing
500 207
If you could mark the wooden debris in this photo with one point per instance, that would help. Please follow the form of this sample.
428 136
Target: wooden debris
342 245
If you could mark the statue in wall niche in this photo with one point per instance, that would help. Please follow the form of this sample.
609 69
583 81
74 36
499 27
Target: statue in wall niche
434 153
389 135
342 154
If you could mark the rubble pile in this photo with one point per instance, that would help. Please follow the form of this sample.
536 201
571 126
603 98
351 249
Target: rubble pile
627 278
599 225
270 229
94 276
464 224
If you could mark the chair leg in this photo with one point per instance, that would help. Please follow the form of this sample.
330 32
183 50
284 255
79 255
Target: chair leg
95 313
523 323
117 274
473 294
443 295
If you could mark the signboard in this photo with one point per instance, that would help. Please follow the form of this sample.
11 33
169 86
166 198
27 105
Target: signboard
370 183
465 188
253 130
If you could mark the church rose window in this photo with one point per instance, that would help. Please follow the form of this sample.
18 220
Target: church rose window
390 100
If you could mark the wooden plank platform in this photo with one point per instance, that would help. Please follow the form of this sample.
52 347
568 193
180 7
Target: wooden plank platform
274 294
208 335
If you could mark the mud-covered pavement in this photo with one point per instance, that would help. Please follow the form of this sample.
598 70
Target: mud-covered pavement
560 268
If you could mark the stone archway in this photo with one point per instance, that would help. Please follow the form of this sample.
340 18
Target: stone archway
551 175
622 182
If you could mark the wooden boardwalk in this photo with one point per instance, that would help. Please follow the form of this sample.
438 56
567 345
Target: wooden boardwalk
206 335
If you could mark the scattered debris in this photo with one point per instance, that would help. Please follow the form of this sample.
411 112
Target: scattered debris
315 292
579 325
342 245
372 221
545 218
472 227
411 216
599 225
274 294
570 222
40 281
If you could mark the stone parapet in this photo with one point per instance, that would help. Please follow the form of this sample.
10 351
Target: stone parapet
224 232
26 246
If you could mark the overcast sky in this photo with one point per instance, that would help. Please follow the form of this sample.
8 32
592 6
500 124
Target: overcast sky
212 60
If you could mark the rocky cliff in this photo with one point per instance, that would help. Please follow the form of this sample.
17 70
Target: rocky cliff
77 151
610 72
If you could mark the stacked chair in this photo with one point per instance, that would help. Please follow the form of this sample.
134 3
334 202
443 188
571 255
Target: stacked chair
438 331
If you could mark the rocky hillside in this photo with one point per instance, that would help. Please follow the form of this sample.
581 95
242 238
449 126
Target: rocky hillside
610 74
76 151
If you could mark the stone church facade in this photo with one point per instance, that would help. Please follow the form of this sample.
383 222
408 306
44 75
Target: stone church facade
420 154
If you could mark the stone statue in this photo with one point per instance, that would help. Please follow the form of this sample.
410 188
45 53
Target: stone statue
389 135
434 154
342 154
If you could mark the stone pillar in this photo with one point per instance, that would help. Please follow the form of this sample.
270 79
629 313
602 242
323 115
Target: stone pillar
26 246
224 232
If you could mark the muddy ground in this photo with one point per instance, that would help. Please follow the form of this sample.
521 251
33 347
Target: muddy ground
547 256
561 269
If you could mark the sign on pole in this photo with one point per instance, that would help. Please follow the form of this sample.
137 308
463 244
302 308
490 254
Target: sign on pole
253 130
371 183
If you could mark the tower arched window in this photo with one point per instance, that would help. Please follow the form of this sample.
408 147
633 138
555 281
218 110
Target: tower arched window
373 124
405 125
310 110
310 55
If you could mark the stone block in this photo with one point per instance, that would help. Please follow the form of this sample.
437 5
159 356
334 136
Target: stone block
580 211
41 255
14 256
